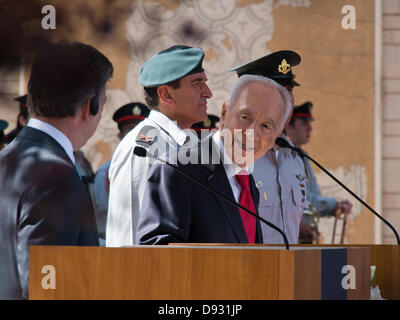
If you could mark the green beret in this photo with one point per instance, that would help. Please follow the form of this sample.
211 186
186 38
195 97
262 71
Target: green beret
171 64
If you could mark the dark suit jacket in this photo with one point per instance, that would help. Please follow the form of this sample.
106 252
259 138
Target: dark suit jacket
176 209
42 202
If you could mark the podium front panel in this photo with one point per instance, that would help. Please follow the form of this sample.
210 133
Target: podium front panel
184 273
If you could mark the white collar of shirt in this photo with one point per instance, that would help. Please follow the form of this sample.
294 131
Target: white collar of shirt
231 168
56 134
169 126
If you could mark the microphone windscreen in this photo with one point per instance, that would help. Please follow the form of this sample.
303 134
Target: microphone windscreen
140 152
282 143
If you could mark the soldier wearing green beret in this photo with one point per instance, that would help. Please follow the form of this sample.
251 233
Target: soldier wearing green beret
176 92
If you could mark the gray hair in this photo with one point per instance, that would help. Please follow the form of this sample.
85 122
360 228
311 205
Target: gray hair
247 79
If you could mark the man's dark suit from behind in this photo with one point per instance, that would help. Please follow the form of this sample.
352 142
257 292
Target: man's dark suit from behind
44 203
43 200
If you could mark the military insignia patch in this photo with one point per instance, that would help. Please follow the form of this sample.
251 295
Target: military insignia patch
147 136
144 138
284 67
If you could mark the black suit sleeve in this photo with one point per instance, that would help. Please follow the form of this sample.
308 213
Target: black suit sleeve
53 211
166 208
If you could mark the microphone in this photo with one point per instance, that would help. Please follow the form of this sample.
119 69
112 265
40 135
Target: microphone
284 144
141 152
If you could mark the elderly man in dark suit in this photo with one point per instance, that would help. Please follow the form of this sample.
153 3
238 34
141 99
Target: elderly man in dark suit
176 209
43 200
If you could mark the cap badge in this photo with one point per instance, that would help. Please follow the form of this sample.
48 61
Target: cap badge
284 67
136 111
207 123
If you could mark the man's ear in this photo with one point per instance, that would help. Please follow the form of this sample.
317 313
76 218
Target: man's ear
222 117
86 108
288 128
165 93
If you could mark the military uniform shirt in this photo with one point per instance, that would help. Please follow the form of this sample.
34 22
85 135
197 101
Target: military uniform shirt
281 180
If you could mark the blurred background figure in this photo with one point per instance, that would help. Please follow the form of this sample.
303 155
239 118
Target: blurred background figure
22 118
206 126
299 133
85 171
127 117
3 126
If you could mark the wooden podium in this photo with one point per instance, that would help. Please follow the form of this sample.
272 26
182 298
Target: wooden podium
209 272
386 258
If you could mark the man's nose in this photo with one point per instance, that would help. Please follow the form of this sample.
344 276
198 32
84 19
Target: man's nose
207 91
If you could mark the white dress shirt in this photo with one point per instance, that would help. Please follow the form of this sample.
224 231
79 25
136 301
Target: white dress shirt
230 167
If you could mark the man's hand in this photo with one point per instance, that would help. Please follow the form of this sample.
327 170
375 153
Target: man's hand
345 206
307 232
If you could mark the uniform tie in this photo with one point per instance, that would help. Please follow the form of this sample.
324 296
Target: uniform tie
246 200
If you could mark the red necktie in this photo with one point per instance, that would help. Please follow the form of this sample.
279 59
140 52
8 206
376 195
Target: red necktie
246 200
